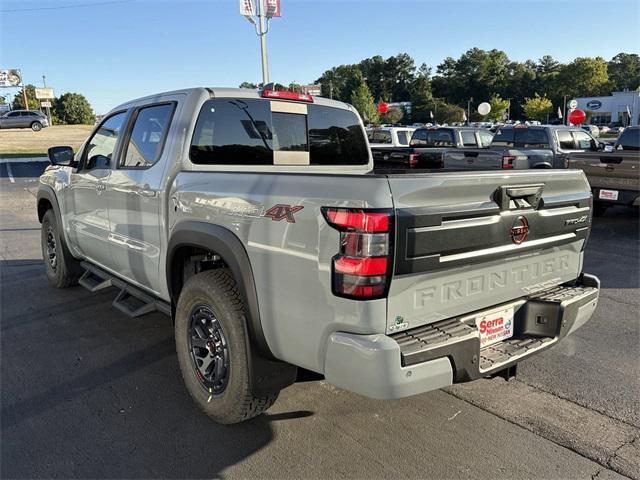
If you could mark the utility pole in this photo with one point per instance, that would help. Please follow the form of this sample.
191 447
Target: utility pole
469 110
24 96
564 110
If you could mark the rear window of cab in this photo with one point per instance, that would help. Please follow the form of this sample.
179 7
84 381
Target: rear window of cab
521 137
237 131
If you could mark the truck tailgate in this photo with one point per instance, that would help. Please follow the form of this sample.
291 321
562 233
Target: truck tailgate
617 170
470 241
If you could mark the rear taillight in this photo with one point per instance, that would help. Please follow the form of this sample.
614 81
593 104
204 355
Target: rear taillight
507 161
413 160
362 268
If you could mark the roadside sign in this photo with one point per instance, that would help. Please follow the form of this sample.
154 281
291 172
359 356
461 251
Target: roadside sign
315 90
44 93
247 8
11 77
271 8
45 104
573 104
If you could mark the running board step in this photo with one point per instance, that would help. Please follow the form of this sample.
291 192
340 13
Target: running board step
134 303
93 280
131 300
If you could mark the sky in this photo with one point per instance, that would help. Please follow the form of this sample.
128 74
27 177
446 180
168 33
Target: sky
116 50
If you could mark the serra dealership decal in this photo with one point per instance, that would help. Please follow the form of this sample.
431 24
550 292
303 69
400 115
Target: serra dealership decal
495 327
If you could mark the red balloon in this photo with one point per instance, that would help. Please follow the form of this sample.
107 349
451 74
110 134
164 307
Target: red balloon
383 107
577 117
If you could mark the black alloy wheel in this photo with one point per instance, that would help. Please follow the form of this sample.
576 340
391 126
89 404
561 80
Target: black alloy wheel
209 349
52 256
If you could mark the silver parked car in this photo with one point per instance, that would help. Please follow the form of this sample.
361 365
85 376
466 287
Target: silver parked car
33 119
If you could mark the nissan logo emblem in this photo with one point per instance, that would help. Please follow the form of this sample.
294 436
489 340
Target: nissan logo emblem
519 230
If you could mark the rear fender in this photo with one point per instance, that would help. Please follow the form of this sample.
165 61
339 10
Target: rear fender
267 373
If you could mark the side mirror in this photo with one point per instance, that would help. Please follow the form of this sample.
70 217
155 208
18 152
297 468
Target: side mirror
98 162
62 156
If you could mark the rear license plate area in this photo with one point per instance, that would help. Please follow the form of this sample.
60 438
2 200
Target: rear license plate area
608 194
495 326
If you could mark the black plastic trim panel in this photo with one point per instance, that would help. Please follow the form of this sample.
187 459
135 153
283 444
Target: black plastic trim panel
425 236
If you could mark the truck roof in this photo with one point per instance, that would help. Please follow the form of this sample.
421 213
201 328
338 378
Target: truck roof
222 92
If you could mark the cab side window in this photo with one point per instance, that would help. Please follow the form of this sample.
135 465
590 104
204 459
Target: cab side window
485 138
565 140
146 142
101 146
403 137
584 141
419 138
468 138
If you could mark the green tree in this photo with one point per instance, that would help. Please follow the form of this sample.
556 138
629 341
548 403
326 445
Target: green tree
393 115
498 107
443 112
73 109
18 102
537 107
584 77
362 100
340 82
477 73
624 71
249 85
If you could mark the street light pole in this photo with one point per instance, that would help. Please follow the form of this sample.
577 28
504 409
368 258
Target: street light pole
564 110
262 33
469 110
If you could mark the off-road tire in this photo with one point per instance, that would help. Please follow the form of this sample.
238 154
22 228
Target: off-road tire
67 270
36 126
599 209
217 291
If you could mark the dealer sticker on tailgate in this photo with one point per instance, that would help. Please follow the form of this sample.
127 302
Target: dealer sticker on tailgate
608 194
495 327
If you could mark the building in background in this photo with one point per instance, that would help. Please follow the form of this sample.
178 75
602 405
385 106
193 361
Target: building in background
623 107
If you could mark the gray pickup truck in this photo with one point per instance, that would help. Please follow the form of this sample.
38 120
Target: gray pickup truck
427 146
614 176
255 220
524 147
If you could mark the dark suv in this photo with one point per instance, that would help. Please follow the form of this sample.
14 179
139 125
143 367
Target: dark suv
33 119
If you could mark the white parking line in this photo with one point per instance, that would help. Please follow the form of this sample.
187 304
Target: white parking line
11 179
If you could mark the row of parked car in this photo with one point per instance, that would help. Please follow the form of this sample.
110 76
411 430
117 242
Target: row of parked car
613 169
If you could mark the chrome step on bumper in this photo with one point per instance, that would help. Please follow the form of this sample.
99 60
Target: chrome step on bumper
540 321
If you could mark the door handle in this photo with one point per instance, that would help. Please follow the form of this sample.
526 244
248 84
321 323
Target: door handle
145 193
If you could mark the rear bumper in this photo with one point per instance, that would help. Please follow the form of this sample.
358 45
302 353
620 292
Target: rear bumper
439 354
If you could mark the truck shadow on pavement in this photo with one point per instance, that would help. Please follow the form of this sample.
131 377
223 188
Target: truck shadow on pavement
89 393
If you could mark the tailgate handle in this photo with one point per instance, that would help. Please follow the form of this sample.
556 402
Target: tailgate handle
611 159
471 154
515 197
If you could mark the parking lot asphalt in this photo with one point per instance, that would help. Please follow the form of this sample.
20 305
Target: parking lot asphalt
87 392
